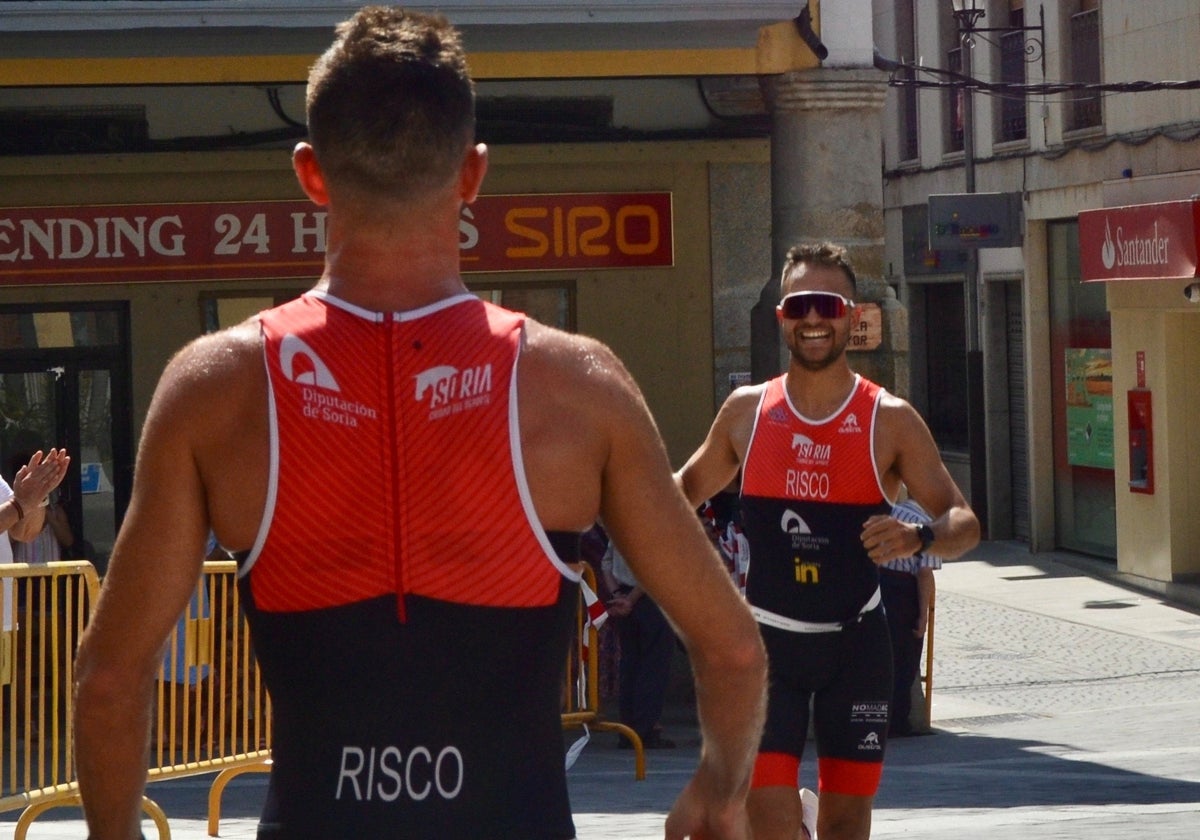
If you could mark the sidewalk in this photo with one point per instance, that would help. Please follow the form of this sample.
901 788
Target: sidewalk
1064 706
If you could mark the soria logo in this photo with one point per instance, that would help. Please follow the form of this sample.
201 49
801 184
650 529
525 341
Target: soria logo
808 452
449 390
792 523
303 366
427 379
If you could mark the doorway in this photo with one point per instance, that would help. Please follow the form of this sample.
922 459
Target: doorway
65 382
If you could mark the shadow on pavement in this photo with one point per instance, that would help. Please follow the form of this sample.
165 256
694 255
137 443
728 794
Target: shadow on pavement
973 770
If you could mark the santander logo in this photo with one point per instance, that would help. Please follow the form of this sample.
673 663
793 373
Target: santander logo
1108 251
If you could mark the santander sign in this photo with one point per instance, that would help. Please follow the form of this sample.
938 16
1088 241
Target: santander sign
1140 242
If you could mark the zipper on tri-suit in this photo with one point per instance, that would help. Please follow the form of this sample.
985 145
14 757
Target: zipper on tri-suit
396 461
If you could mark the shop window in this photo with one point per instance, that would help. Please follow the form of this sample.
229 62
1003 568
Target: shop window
220 310
1010 108
43 330
906 51
1083 63
551 303
65 381
1081 339
945 341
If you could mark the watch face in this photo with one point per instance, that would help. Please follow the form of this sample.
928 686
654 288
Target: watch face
926 535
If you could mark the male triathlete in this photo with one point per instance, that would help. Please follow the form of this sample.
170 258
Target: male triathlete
823 453
403 472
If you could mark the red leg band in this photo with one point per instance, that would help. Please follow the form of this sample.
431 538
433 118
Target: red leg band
854 778
773 768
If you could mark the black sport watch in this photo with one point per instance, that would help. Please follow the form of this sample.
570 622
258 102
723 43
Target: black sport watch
926 535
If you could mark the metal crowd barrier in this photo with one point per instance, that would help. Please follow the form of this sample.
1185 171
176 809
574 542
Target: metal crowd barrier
43 608
212 710
581 707
212 715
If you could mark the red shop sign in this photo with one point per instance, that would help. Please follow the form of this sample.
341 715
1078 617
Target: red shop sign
1140 242
277 239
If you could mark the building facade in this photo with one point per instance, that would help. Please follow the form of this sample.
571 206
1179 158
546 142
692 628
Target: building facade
1067 358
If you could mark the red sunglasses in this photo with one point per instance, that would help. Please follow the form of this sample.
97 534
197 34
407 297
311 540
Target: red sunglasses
827 305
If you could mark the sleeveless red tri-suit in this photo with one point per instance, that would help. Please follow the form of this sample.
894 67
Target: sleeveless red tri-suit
807 488
410 614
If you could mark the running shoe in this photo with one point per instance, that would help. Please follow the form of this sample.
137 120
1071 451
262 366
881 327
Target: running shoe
808 813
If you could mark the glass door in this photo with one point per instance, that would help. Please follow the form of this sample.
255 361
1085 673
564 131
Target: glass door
64 382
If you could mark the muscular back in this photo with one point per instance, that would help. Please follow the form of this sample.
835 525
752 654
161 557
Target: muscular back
572 392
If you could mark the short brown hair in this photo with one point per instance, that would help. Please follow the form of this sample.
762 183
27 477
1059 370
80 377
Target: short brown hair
819 253
391 104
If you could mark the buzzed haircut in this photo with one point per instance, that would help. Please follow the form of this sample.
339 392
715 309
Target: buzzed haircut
391 103
825 254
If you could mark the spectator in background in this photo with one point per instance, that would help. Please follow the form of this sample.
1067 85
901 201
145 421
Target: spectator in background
647 646
907 587
23 510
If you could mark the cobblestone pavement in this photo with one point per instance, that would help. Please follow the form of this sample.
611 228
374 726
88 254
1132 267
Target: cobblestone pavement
1064 706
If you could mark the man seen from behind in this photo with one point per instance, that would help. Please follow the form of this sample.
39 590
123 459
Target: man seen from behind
403 472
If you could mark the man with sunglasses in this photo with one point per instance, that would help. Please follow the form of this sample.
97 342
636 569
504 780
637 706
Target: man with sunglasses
823 454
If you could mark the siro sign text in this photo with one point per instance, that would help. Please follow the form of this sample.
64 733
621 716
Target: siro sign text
282 239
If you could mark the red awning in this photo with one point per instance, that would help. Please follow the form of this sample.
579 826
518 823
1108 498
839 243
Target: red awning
1140 242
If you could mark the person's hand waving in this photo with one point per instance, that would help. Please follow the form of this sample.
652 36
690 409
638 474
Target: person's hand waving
34 481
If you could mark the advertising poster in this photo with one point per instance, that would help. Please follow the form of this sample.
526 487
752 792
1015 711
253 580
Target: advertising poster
1089 407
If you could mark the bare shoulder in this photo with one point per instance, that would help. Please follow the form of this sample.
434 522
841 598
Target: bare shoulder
578 364
898 417
742 402
218 359
906 451
211 379
578 406
734 422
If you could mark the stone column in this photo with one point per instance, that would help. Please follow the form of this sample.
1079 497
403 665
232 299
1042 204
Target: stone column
827 183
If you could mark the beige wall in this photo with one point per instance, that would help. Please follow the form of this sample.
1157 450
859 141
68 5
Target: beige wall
1158 535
